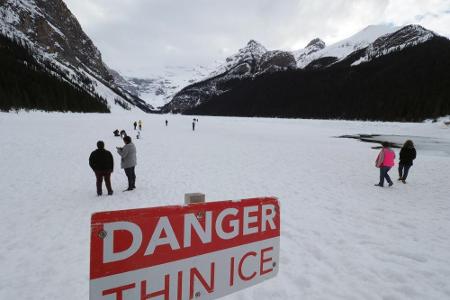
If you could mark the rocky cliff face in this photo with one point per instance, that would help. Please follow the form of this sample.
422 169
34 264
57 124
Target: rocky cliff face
399 39
316 50
51 26
244 61
273 61
312 47
54 33
407 36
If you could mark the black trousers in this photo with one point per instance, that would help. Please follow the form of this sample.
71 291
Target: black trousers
403 170
107 176
131 177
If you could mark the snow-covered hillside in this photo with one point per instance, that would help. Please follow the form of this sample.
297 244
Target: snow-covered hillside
55 37
342 238
158 89
343 48
407 36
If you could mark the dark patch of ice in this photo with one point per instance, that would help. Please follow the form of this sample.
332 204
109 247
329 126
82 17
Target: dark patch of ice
396 141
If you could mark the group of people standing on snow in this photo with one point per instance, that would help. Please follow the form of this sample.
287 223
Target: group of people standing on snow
136 124
102 163
121 133
386 160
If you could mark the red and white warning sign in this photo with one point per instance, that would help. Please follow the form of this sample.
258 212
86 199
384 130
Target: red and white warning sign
199 251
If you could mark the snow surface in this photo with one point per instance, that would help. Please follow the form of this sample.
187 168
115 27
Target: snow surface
342 238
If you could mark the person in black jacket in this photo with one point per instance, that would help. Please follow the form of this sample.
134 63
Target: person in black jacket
407 155
102 162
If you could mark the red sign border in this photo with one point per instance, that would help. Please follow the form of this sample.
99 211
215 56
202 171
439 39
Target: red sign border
99 270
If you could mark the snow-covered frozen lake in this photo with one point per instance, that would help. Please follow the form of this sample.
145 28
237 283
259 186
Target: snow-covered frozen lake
342 238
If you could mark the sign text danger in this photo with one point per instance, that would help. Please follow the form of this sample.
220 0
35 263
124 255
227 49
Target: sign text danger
201 251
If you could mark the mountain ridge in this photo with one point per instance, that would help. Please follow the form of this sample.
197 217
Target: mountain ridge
64 50
55 36
408 85
361 47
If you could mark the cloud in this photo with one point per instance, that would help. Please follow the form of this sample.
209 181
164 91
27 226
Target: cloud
142 36
432 14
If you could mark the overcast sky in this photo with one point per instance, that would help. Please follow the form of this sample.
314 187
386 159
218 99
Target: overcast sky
139 37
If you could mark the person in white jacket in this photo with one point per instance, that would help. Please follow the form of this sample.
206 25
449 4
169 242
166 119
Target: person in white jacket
128 161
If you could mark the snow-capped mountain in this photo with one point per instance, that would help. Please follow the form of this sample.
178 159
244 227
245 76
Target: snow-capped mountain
251 60
254 60
312 47
177 88
408 85
58 42
403 76
244 60
56 38
342 48
158 89
407 36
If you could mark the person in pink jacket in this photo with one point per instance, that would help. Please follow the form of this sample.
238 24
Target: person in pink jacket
385 161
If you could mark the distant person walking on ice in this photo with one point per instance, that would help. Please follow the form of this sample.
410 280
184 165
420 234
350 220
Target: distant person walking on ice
128 161
140 124
385 161
135 125
407 155
167 123
102 163
193 125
